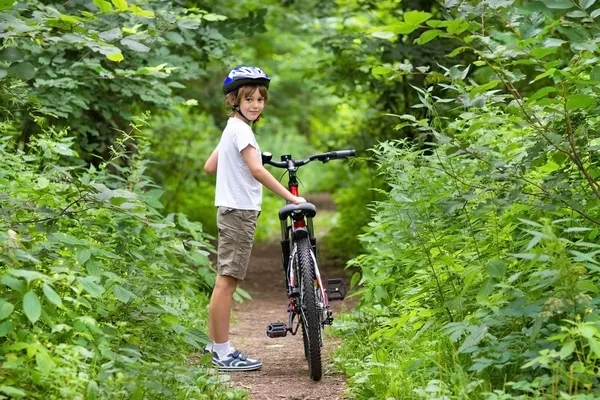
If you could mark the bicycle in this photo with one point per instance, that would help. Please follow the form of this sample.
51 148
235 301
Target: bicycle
308 299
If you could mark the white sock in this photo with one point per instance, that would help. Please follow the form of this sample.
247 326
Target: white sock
222 349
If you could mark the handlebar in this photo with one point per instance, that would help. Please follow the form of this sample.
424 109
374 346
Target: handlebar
289 163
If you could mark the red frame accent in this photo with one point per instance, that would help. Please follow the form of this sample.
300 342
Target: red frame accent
294 190
300 223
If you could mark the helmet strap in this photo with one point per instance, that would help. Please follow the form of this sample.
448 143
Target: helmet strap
239 111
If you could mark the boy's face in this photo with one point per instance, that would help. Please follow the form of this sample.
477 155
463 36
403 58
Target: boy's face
252 105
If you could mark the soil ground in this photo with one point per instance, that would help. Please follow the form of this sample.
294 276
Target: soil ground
284 374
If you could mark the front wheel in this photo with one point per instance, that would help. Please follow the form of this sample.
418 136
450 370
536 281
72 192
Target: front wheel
311 322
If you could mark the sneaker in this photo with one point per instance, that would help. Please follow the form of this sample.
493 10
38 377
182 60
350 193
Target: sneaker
236 361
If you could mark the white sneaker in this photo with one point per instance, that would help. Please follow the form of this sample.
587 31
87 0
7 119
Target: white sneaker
236 361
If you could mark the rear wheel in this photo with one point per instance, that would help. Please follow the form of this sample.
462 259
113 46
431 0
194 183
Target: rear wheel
311 322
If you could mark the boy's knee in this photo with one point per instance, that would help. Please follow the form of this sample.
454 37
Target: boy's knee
226 283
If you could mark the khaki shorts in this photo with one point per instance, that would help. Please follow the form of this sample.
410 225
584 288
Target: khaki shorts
236 234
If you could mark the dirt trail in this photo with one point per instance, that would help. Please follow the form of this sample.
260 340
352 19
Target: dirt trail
284 374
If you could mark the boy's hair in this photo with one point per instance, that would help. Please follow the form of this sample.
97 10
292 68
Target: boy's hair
234 98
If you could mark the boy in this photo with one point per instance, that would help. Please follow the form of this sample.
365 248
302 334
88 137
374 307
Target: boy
240 177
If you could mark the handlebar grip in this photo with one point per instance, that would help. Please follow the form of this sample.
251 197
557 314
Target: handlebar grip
343 153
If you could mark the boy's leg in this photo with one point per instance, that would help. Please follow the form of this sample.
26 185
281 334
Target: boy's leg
236 233
219 310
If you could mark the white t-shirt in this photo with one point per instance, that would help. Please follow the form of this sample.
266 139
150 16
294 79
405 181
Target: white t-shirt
236 187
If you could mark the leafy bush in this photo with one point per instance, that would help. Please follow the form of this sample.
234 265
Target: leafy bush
181 143
480 277
102 297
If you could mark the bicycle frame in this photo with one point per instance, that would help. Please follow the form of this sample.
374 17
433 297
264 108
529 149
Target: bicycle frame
302 226
308 298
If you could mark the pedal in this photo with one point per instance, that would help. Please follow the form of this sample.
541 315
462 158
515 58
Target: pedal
277 330
336 289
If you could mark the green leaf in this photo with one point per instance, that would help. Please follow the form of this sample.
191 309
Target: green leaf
552 42
531 256
83 256
11 54
577 101
486 289
51 295
43 182
92 391
496 268
122 294
381 70
44 363
383 35
9 390
594 346
174 37
587 286
120 4
485 87
355 279
93 268
403 28
135 45
474 338
103 5
244 293
66 238
32 306
428 36
6 309
595 73
187 23
140 12
588 331
585 4
457 26
558 4
567 350
579 256
534 240
577 229
214 17
549 72
541 52
22 70
595 13
416 17
118 57
27 274
14 284
91 286
5 328
543 92
499 3
5 5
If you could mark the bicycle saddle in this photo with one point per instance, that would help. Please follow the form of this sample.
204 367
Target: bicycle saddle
297 211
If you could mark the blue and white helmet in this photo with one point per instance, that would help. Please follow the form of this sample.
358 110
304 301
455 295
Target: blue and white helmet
245 75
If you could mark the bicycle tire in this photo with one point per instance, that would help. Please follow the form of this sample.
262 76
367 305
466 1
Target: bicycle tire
311 322
305 341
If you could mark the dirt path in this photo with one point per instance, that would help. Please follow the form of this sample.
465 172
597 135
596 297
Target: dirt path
284 374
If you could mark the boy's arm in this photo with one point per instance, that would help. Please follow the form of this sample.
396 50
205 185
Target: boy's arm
263 176
210 167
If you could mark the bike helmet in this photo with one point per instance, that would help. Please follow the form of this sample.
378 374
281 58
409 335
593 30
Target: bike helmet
245 75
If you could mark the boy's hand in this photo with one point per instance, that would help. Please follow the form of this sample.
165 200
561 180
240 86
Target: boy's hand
298 200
